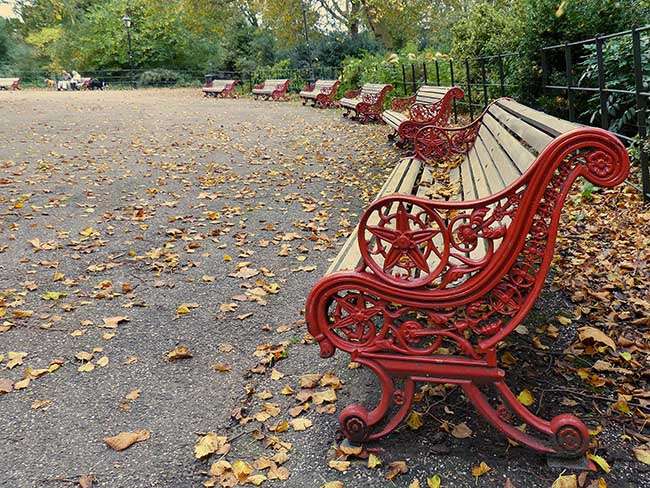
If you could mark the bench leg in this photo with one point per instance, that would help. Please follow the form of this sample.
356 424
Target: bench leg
567 435
360 425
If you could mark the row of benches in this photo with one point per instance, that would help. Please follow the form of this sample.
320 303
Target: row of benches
449 259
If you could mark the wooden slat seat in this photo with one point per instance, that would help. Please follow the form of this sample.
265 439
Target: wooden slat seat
451 257
430 105
321 93
366 103
220 88
275 89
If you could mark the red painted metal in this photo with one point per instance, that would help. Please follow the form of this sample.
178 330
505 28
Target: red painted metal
418 289
326 97
371 105
279 91
422 115
227 92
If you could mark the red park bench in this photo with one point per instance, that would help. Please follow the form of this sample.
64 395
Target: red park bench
321 93
220 88
425 290
9 83
366 103
430 105
275 89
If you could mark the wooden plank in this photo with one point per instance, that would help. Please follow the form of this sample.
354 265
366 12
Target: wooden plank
552 125
519 155
529 134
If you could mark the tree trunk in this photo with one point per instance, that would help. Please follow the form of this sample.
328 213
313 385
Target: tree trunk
355 9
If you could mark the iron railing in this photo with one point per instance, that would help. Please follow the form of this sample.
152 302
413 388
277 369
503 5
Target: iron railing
486 78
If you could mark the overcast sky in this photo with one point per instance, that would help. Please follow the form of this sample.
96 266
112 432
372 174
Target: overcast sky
6 8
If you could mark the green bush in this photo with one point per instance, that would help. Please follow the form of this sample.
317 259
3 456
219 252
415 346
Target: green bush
159 77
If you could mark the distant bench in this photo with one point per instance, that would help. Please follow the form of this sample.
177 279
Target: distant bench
220 88
430 105
366 103
9 83
321 93
274 89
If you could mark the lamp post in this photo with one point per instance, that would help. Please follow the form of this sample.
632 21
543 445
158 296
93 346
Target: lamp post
127 23
304 24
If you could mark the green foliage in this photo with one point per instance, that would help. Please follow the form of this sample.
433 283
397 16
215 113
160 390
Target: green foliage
160 77
618 66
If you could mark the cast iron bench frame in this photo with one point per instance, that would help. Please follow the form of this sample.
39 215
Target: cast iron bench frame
462 273
366 103
321 94
274 89
220 88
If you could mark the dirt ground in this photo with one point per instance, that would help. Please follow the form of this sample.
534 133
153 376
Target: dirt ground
135 222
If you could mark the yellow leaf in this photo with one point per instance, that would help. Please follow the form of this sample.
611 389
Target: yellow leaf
241 469
642 454
480 470
87 232
341 466
276 375
600 461
570 481
183 310
86 367
333 484
209 444
415 484
433 481
373 461
301 423
15 359
179 352
256 479
123 440
414 420
102 362
22 384
526 398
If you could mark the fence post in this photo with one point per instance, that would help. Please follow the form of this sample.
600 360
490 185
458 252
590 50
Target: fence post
484 80
502 78
404 79
424 72
451 75
569 81
604 123
544 71
438 75
469 90
413 84
641 103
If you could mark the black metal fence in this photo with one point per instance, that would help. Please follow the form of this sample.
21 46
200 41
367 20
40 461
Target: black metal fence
617 65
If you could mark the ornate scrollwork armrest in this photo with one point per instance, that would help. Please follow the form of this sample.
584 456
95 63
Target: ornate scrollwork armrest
438 143
412 242
259 86
402 104
309 87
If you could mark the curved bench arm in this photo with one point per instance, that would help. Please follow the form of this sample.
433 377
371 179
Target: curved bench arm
423 251
309 87
439 143
402 104
259 86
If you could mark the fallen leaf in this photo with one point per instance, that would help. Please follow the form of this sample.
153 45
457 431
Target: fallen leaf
86 481
433 481
596 335
642 454
570 481
373 461
526 398
414 420
211 443
480 470
600 461
301 423
124 440
341 466
179 352
395 469
461 431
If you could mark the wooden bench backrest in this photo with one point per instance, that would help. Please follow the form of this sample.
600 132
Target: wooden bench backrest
327 84
428 95
216 83
372 89
274 83
509 140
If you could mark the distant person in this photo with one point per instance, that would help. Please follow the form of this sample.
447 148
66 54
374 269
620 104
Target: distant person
64 83
76 80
